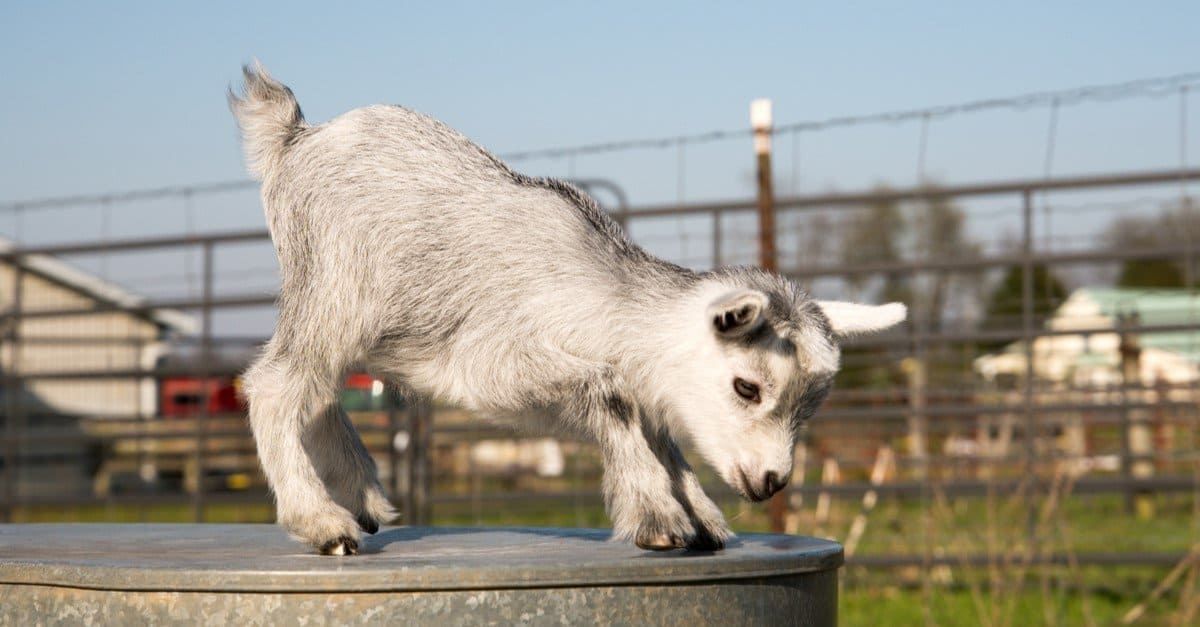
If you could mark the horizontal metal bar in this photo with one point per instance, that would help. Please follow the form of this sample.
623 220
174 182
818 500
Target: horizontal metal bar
1099 412
856 490
1002 335
180 498
246 300
971 412
893 339
974 487
93 340
908 267
199 371
1156 177
125 245
151 436
820 200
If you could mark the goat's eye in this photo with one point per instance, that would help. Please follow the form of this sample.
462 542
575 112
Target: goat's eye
746 390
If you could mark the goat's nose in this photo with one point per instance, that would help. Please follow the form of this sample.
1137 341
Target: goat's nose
772 483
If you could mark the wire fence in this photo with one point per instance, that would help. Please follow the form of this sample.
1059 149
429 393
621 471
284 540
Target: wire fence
980 428
1034 424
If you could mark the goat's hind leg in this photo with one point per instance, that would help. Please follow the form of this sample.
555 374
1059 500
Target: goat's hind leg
347 469
285 400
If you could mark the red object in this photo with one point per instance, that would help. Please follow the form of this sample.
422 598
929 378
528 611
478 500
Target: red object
182 396
360 381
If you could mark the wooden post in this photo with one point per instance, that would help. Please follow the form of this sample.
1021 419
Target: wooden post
1137 444
13 415
396 475
420 461
760 120
918 451
205 371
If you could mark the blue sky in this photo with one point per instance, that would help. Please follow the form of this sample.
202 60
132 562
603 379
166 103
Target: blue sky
102 97
110 96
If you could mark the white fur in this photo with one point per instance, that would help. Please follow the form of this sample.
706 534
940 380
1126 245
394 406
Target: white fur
408 249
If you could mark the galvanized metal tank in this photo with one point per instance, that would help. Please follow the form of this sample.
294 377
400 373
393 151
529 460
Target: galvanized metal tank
239 574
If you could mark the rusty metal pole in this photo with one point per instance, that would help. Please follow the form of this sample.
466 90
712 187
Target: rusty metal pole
205 372
760 120
395 461
14 417
420 462
1027 329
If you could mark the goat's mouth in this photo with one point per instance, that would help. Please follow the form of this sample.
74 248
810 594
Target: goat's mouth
744 487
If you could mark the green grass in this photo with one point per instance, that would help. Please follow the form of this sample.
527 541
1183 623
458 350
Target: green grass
886 605
1086 524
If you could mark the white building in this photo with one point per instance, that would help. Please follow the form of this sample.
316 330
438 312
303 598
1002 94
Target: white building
1093 358
84 343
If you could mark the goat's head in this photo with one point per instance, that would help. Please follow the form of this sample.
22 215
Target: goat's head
759 358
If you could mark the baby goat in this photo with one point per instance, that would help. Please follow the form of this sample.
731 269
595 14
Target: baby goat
406 247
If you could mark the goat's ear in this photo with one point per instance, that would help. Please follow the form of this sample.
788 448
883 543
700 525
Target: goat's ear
852 318
738 313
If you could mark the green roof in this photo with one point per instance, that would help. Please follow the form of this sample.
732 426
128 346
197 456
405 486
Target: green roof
1155 307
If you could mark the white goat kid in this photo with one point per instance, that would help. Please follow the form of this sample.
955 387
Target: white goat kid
405 247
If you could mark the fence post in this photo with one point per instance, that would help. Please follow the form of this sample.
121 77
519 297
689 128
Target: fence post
717 253
917 376
420 464
14 417
392 398
760 119
205 370
1136 444
1030 422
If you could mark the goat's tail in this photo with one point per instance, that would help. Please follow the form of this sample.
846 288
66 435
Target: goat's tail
268 116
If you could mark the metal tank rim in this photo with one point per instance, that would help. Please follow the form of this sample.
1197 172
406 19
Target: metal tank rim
261 558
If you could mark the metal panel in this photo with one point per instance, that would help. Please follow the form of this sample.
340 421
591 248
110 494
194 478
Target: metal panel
253 573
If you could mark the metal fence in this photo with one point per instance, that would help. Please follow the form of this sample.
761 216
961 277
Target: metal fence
913 418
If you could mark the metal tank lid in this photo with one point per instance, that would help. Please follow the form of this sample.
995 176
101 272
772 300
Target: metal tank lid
254 558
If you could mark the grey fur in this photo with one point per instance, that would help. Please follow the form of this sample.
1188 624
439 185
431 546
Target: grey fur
406 247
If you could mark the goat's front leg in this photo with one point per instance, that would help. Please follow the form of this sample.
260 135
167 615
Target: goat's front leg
711 529
637 486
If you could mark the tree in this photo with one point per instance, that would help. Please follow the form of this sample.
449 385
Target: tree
873 236
941 235
1152 273
1174 227
1005 304
933 230
888 235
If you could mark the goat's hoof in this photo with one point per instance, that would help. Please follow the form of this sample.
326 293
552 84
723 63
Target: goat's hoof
367 524
344 545
659 542
706 541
